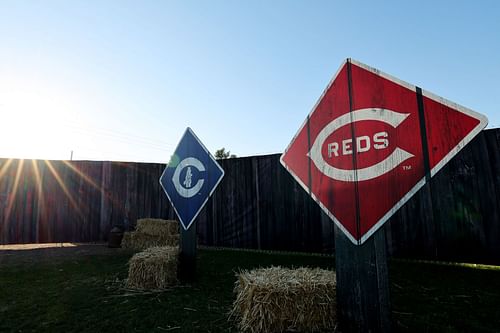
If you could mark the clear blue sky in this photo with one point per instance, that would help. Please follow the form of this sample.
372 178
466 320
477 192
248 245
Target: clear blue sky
121 80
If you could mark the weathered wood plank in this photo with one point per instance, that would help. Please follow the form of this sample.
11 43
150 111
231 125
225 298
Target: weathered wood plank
363 301
454 217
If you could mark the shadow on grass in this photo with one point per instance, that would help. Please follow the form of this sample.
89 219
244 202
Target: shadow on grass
86 294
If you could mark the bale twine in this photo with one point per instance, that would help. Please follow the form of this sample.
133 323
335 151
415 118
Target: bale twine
279 299
140 241
153 269
157 227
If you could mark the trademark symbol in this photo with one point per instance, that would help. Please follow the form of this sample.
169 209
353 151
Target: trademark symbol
406 167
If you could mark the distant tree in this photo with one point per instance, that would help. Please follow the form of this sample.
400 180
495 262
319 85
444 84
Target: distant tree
221 154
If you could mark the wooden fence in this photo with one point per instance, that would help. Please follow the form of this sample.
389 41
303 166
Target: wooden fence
257 205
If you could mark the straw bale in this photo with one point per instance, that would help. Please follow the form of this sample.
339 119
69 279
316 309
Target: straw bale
279 299
127 240
153 269
140 241
157 227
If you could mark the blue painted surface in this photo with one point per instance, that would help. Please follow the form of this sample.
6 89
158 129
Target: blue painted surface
190 178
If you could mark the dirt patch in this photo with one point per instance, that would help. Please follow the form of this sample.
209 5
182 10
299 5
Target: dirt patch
32 253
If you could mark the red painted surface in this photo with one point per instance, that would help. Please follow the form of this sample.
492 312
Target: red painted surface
369 158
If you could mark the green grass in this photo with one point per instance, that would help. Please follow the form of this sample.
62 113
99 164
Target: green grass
445 297
87 294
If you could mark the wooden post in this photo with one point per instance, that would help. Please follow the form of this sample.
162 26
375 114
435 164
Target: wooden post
187 255
363 300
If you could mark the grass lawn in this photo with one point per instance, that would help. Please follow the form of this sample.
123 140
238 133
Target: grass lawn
86 293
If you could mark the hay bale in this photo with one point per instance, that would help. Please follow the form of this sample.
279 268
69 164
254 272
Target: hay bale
278 299
153 269
127 240
140 241
157 227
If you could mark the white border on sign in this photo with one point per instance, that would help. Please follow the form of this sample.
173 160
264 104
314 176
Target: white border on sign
483 121
211 192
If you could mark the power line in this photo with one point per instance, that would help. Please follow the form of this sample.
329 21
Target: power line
113 154
125 138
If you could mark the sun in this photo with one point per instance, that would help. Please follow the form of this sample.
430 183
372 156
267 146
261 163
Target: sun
32 120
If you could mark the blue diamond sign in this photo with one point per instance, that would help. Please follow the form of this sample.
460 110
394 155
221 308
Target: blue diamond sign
190 178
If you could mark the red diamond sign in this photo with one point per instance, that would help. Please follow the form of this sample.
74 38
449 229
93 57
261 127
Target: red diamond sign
371 142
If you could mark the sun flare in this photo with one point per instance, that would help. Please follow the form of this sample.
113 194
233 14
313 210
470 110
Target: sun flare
32 120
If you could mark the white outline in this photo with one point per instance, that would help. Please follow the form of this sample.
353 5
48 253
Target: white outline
397 157
483 121
211 192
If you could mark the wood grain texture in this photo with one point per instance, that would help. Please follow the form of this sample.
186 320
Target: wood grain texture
187 254
363 302
455 216
258 204
60 201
